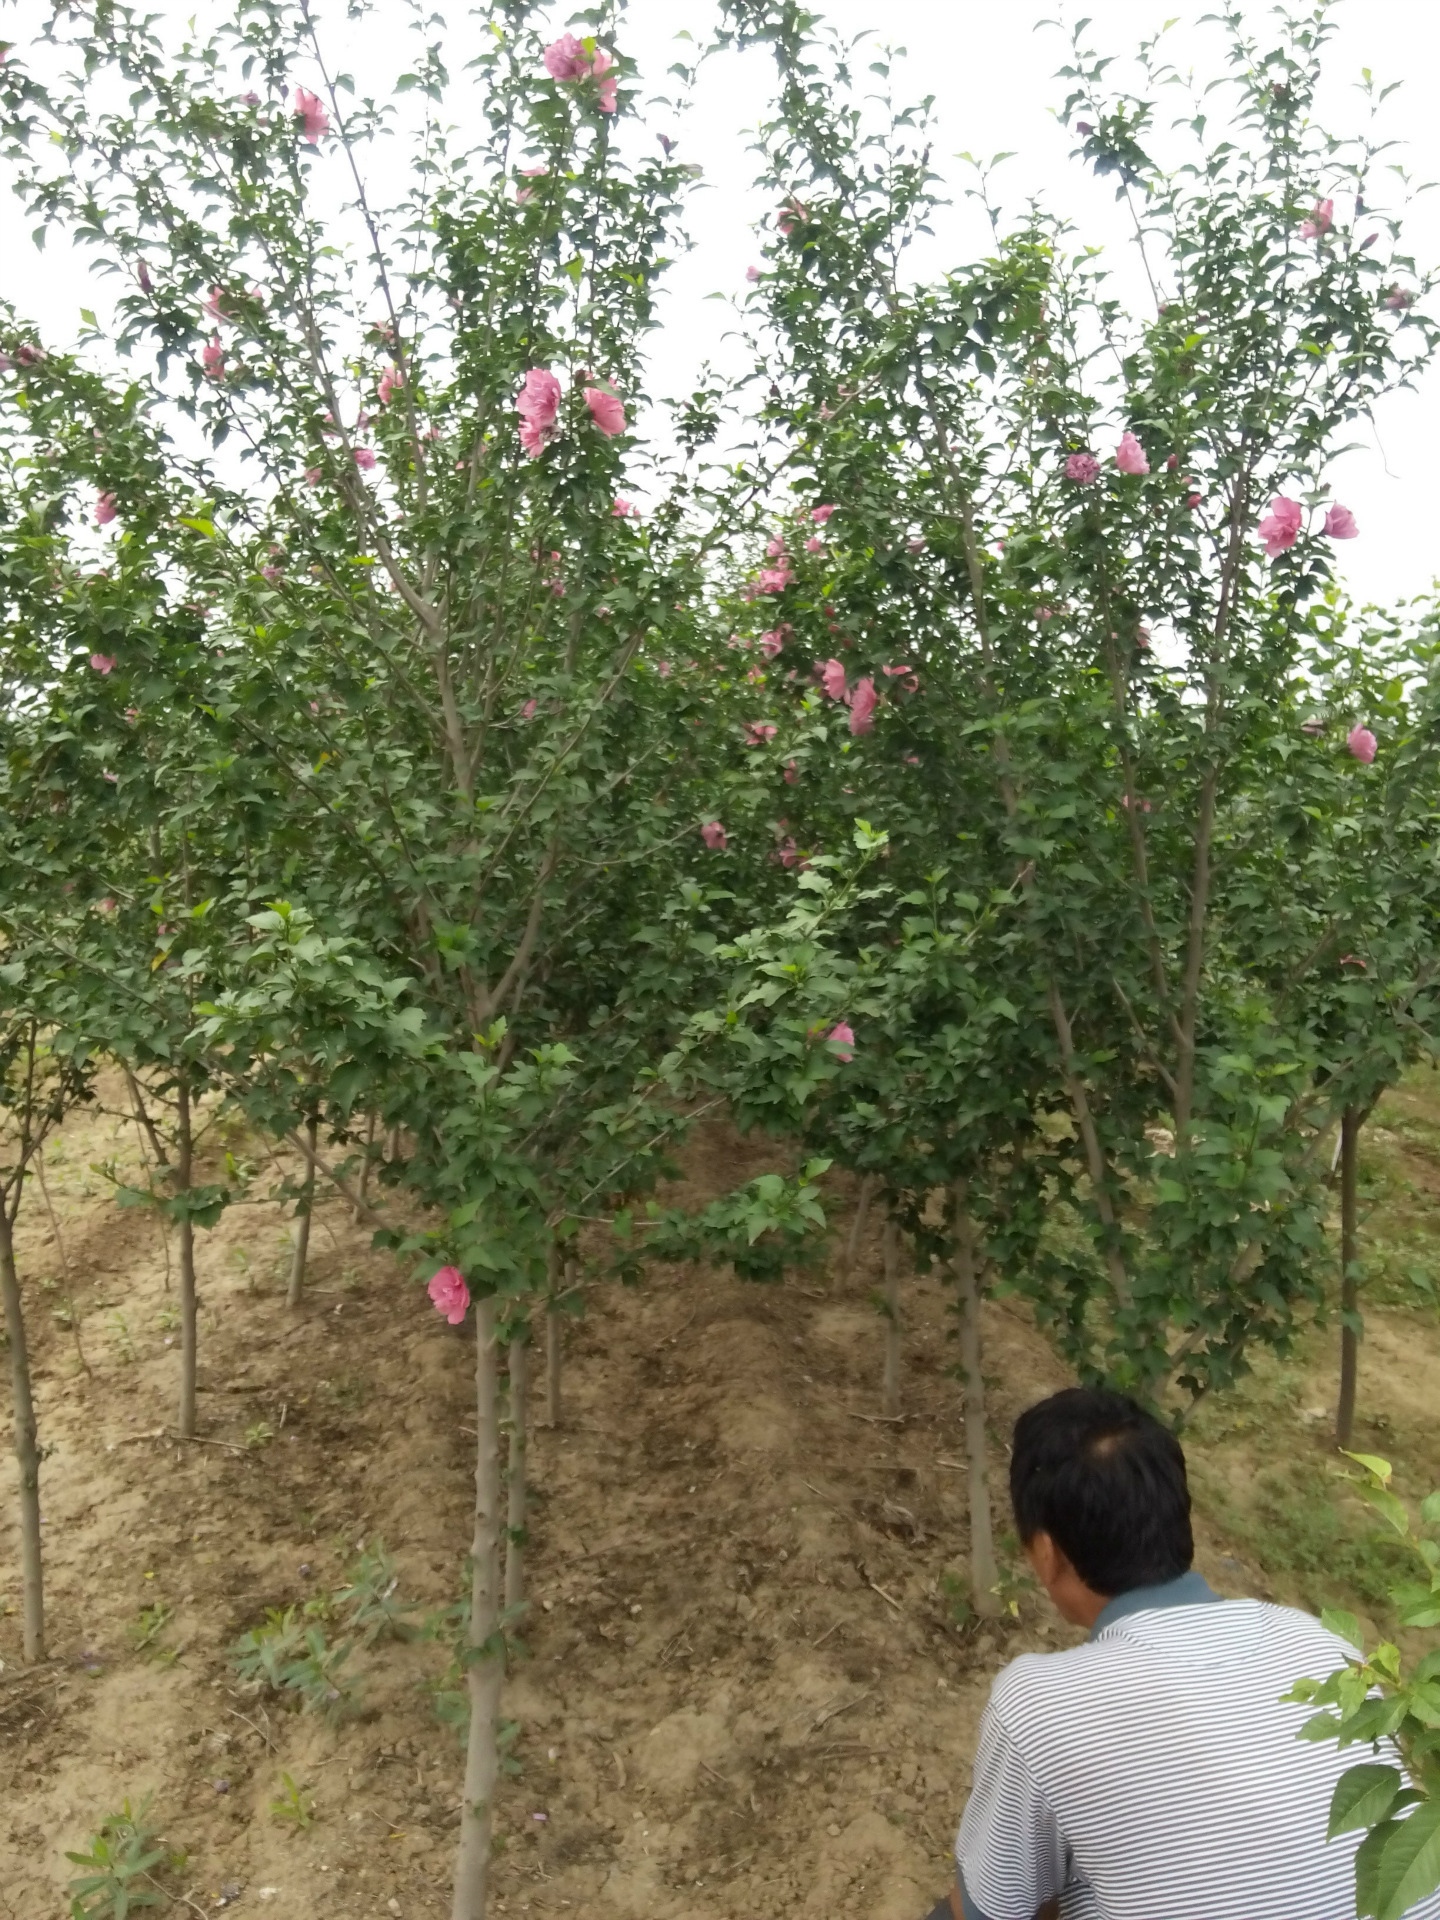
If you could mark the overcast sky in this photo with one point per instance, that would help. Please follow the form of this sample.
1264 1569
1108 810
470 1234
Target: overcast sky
992 74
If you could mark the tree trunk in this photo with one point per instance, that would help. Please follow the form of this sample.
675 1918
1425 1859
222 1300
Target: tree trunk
554 1345
519 1353
984 1574
392 1146
890 1243
189 1312
1349 1278
300 1231
357 1212
486 1661
857 1226
27 1451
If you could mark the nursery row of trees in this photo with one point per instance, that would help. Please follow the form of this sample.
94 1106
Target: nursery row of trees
955 758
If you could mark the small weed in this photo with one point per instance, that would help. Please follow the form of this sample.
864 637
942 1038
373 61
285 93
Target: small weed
370 1598
147 1626
260 1434
168 1319
290 1658
122 1852
293 1804
121 1330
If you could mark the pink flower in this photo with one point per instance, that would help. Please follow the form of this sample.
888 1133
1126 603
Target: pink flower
1083 468
915 546
832 679
771 643
664 669
1346 959
606 410
912 759
792 773
250 99
713 834
756 673
523 196
539 398
365 457
752 274
391 381
775 579
213 359
821 514
213 306
787 853
312 476
533 440
1397 299
1130 455
565 59
814 546
527 712
142 274
107 905
450 1294
759 732
1319 221
791 216
105 509
1280 528
625 510
103 663
892 672
600 69
862 705
311 114
1340 523
113 778
842 1038
776 549
1362 743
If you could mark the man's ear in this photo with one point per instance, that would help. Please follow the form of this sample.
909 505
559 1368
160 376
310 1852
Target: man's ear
1048 1562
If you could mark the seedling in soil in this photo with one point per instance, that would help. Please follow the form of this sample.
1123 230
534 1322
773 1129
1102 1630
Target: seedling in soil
291 1659
260 1434
293 1804
119 1865
371 1599
121 1330
168 1319
147 1626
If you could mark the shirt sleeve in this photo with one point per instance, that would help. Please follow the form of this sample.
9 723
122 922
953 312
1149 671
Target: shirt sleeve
1009 1854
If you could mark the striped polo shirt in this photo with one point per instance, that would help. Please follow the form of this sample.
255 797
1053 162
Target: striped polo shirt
1154 1774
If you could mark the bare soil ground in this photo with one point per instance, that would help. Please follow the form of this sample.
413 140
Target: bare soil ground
746 1691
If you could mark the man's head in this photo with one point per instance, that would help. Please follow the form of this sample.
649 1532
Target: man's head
1100 1498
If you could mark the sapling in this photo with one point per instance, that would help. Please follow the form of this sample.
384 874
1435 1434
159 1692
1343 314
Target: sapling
890 1309
984 1573
1349 1277
300 1230
517 1352
851 1249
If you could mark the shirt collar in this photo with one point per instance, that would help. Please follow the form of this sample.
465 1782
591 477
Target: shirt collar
1190 1590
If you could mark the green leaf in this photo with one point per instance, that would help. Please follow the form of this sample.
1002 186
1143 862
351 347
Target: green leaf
1362 1798
1398 1864
1389 1507
1430 1509
1372 1463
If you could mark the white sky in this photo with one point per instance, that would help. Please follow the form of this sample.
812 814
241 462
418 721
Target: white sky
992 74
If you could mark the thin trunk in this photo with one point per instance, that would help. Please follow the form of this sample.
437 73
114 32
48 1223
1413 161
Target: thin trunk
300 1231
64 1263
1194 960
519 1356
554 1347
1349 1278
189 1315
1090 1140
485 1670
392 1146
857 1226
27 1451
984 1574
357 1212
890 1243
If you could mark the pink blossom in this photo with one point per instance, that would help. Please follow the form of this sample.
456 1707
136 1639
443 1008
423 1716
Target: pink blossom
664 669
213 304
1362 743
842 1038
792 773
752 274
213 359
862 705
1130 455
132 714
814 546
103 663
113 778
527 712
912 759
1352 960
915 546
311 114
892 672
601 69
1397 299
771 643
776 549
606 410
791 216
1280 528
1141 806
787 853
250 99
714 836
1083 468
821 514
28 356
450 1294
775 579
391 381
365 457
832 679
1319 221
759 732
1192 500
533 173
107 905
523 196
142 274
756 674
565 59
312 476
625 510
539 398
1340 523
105 509
533 440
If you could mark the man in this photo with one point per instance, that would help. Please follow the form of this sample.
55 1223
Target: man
1152 1773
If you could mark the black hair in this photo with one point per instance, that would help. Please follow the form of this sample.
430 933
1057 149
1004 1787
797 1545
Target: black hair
1107 1482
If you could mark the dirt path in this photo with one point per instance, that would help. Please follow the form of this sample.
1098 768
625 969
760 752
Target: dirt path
746 1689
